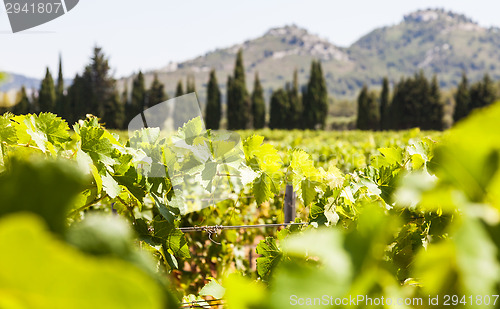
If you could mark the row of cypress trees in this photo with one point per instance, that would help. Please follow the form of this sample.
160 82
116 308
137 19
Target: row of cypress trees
50 97
417 102
288 109
94 92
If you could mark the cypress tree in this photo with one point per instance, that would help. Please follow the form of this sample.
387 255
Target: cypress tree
420 101
258 105
309 113
238 100
392 110
401 109
230 103
179 91
60 91
191 88
138 98
476 94
322 96
462 99
361 121
279 110
124 96
114 115
124 106
384 104
181 111
482 93
156 93
34 102
373 111
74 108
97 88
213 108
295 113
306 114
436 112
190 85
290 124
47 94
316 99
490 91
368 110
23 104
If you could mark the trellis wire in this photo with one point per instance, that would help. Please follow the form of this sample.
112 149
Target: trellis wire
211 303
216 228
289 209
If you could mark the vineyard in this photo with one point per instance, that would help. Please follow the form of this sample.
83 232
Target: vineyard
92 218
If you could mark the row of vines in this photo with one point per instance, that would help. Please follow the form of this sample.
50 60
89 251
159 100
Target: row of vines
89 219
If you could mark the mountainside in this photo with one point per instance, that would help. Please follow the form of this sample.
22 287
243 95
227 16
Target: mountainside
433 40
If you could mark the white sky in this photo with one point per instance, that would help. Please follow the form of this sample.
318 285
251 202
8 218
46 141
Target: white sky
148 34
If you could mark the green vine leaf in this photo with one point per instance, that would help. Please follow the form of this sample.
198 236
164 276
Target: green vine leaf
271 257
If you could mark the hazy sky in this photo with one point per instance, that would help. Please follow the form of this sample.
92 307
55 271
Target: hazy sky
148 34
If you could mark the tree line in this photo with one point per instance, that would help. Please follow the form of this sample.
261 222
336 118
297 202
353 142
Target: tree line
417 102
414 102
94 92
91 92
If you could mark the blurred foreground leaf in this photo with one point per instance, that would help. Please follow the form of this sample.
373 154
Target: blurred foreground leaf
466 264
39 271
44 187
469 156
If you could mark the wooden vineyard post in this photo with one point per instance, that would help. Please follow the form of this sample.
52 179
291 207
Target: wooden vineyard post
289 204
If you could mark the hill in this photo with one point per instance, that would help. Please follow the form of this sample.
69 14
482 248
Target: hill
433 40
16 81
